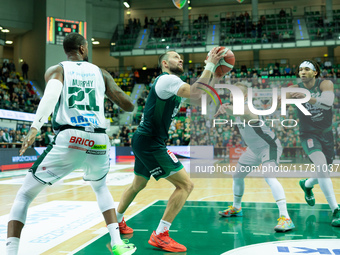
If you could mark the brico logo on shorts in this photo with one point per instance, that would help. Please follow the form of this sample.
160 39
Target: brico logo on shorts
172 156
81 141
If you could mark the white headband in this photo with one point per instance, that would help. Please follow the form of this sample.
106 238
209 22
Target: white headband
308 64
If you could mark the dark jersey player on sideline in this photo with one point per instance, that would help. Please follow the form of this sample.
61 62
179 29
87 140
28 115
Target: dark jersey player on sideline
316 133
148 144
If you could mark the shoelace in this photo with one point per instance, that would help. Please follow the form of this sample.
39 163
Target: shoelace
166 233
281 220
230 208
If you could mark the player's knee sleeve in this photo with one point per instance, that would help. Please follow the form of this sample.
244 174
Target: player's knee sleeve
26 194
104 198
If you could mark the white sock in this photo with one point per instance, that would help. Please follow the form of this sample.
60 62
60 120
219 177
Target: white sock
283 208
237 201
12 245
311 182
238 190
114 233
120 217
163 227
279 195
326 186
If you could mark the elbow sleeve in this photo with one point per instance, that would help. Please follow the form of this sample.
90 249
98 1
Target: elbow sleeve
49 100
326 100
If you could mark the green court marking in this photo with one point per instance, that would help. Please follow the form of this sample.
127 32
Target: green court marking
199 227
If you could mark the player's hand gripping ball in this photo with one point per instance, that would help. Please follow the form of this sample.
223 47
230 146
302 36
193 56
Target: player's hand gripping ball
225 64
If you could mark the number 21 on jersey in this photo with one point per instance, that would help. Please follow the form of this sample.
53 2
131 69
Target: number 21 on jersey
78 94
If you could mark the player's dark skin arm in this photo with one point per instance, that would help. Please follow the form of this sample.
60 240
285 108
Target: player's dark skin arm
116 94
54 72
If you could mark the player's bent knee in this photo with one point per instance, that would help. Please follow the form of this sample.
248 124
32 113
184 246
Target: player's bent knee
191 186
137 187
188 186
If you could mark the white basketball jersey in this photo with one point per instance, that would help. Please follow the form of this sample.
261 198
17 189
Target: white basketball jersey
82 99
258 136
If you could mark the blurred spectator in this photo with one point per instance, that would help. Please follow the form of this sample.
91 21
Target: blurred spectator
244 68
288 70
280 37
6 137
24 129
324 73
253 30
206 18
319 34
338 73
320 22
294 70
264 38
259 29
159 23
146 22
328 64
11 67
246 15
262 20
136 75
329 33
48 136
140 101
18 137
286 36
38 140
282 13
326 22
332 74
1 138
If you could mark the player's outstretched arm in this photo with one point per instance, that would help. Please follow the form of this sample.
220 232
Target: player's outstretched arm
325 100
197 101
193 91
116 94
54 78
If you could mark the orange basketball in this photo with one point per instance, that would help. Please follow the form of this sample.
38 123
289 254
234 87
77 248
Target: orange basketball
225 64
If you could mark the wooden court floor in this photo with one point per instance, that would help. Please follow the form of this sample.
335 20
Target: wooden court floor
206 189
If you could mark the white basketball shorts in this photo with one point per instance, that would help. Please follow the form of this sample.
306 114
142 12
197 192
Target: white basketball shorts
259 156
74 149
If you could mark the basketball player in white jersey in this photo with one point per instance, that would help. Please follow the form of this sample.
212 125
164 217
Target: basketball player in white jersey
75 93
263 148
